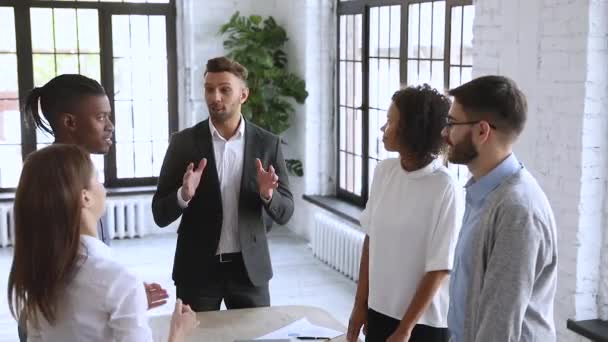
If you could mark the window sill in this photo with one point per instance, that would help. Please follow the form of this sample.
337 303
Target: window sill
593 329
339 207
111 192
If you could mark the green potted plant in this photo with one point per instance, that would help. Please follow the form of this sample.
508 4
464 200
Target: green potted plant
257 44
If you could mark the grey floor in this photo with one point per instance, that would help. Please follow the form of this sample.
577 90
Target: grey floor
299 278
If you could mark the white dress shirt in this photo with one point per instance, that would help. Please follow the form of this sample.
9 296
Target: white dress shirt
229 155
104 302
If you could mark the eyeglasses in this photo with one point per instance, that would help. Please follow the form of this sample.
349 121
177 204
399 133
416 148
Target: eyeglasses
449 124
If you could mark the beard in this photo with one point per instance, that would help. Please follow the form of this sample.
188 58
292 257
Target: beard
463 152
223 113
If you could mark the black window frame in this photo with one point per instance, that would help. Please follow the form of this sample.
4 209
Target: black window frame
362 7
25 68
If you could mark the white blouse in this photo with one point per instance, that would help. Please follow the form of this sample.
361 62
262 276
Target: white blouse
104 302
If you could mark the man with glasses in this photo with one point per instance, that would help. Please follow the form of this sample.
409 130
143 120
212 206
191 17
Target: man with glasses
503 283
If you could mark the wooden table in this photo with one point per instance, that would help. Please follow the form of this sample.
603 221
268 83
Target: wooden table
231 325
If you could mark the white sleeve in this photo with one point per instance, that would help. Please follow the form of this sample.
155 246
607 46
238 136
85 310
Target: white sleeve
365 219
128 309
180 201
442 242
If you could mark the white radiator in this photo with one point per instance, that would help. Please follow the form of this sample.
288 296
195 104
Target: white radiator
338 244
124 218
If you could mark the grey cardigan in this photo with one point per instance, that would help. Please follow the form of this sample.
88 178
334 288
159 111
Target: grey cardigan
514 266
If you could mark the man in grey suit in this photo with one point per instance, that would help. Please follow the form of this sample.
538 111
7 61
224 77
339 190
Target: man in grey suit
223 177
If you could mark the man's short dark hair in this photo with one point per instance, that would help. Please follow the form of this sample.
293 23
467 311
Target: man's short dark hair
496 99
423 112
224 64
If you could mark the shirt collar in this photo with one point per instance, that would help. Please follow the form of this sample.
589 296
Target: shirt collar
240 132
478 190
94 247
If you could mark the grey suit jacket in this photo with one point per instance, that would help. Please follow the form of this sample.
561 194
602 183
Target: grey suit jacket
200 228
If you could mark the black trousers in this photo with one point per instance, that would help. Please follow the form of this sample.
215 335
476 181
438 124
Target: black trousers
380 327
228 282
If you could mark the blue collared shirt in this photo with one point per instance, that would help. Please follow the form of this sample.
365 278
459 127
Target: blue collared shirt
477 191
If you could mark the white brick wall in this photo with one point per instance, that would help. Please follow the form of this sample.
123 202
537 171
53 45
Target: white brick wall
557 51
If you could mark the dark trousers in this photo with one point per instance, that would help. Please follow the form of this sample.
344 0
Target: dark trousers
228 282
380 327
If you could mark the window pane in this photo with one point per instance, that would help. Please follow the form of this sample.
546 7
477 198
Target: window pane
44 69
121 41
373 83
466 74
358 132
358 37
350 77
386 92
395 39
122 79
343 37
413 27
358 85
42 30
65 30
455 44
350 38
467 37
343 133
342 170
393 73
159 112
158 36
141 121
350 130
10 123
8 80
412 72
437 76
141 94
343 83
358 175
90 66
438 29
373 32
424 75
124 122
143 159
455 77
88 31
374 132
10 169
67 64
125 167
7 30
426 15
159 150
350 172
385 32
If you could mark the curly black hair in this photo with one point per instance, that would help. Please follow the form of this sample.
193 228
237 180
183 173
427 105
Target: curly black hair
423 113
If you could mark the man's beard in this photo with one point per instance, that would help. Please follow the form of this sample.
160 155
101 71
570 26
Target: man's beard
463 152
220 116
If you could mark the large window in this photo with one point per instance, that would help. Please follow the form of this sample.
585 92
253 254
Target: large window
128 46
384 45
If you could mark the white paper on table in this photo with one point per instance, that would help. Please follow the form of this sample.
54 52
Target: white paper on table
301 327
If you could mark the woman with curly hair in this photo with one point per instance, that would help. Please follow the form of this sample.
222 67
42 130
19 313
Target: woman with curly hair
412 219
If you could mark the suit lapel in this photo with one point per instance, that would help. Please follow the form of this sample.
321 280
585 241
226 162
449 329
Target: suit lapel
249 154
